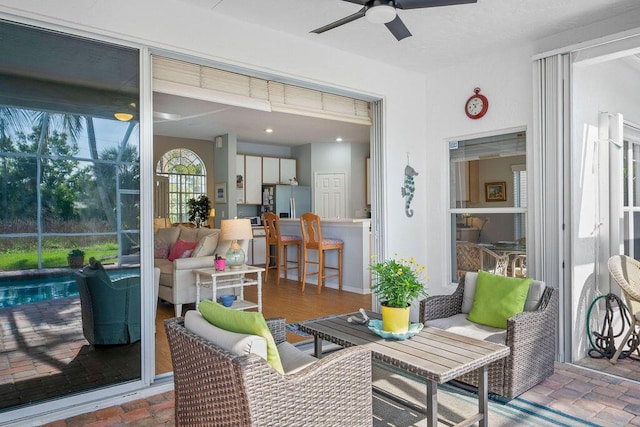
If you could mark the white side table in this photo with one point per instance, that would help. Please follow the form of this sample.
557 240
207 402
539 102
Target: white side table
230 279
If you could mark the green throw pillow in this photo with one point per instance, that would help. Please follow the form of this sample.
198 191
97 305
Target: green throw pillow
498 298
242 322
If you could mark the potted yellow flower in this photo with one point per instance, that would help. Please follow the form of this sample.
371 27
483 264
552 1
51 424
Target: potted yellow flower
397 284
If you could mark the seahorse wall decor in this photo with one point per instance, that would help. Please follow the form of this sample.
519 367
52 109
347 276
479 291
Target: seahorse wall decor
409 187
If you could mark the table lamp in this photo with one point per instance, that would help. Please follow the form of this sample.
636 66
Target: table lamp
234 230
212 215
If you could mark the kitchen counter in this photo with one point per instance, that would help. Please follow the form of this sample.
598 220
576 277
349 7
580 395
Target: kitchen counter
330 220
355 233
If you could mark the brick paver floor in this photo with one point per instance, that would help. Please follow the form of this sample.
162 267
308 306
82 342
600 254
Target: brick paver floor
592 396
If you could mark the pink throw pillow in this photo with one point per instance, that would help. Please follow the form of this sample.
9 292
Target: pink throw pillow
180 247
161 250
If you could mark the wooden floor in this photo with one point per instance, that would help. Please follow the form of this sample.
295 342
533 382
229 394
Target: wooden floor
284 300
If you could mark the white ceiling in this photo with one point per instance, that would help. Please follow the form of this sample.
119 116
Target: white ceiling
205 120
442 36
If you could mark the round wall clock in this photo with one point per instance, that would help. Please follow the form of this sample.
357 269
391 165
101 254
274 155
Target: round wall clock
477 105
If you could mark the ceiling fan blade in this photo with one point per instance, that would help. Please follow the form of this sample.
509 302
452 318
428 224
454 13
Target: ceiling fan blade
359 14
398 29
419 4
360 2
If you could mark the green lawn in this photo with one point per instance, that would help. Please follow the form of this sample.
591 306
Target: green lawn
22 260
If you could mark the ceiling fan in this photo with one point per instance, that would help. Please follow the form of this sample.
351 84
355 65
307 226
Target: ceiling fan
384 12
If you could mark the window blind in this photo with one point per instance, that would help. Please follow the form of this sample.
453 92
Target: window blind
187 79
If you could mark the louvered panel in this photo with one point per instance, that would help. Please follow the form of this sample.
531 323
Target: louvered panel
225 81
276 92
362 109
176 71
259 88
302 97
168 74
338 104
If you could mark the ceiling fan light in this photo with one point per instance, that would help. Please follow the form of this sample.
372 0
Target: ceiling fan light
381 14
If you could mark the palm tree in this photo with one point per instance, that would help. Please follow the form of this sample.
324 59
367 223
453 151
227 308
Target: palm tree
11 120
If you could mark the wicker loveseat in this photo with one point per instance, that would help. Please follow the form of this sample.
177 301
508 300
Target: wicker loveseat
530 335
215 387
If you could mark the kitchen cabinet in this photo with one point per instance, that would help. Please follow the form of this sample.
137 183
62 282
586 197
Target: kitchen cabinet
257 248
253 180
287 170
240 179
270 170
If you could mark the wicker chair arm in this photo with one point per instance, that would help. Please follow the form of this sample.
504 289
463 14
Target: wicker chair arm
335 390
439 306
532 326
277 326
532 340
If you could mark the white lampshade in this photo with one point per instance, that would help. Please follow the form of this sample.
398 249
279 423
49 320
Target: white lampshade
381 14
235 229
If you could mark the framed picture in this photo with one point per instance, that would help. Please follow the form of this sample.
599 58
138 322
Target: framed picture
221 193
495 191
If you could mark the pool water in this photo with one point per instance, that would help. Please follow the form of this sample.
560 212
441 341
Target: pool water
19 291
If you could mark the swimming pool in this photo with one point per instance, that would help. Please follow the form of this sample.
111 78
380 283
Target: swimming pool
19 291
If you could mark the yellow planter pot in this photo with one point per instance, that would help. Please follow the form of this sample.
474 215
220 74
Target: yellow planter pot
395 319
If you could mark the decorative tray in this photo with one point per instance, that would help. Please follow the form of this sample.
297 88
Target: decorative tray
376 327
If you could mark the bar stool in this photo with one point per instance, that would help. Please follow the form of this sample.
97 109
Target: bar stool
281 242
313 240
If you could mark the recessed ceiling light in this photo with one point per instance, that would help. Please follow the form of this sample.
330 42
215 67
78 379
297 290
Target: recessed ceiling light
338 139
268 130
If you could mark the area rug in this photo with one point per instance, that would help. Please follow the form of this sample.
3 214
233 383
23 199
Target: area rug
454 403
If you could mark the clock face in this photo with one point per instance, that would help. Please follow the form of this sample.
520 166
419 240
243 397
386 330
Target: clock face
477 106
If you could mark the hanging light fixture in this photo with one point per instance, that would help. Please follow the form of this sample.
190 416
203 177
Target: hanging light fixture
125 116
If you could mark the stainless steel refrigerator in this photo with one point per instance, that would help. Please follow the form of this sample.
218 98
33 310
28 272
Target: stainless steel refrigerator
286 201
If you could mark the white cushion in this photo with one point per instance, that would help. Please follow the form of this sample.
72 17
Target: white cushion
188 234
240 344
536 289
470 280
206 245
460 325
293 360
169 235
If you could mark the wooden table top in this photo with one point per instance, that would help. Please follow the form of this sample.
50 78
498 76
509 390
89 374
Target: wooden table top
433 354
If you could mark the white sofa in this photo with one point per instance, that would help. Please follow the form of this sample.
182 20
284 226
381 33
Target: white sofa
177 281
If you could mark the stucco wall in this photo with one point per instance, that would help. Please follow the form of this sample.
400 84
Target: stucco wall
506 80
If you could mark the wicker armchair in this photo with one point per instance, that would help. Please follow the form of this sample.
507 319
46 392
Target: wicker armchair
530 335
626 272
214 387
473 257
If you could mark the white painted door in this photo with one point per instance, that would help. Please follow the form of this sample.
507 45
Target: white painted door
330 195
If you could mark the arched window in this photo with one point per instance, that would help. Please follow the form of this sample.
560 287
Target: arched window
187 179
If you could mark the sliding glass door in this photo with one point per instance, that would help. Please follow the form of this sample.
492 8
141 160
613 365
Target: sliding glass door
70 198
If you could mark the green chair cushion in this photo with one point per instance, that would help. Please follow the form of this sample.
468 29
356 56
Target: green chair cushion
243 322
498 298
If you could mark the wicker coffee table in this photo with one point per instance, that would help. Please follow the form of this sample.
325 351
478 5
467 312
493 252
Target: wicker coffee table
437 356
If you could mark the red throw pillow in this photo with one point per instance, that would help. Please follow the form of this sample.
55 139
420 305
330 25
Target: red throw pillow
180 247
